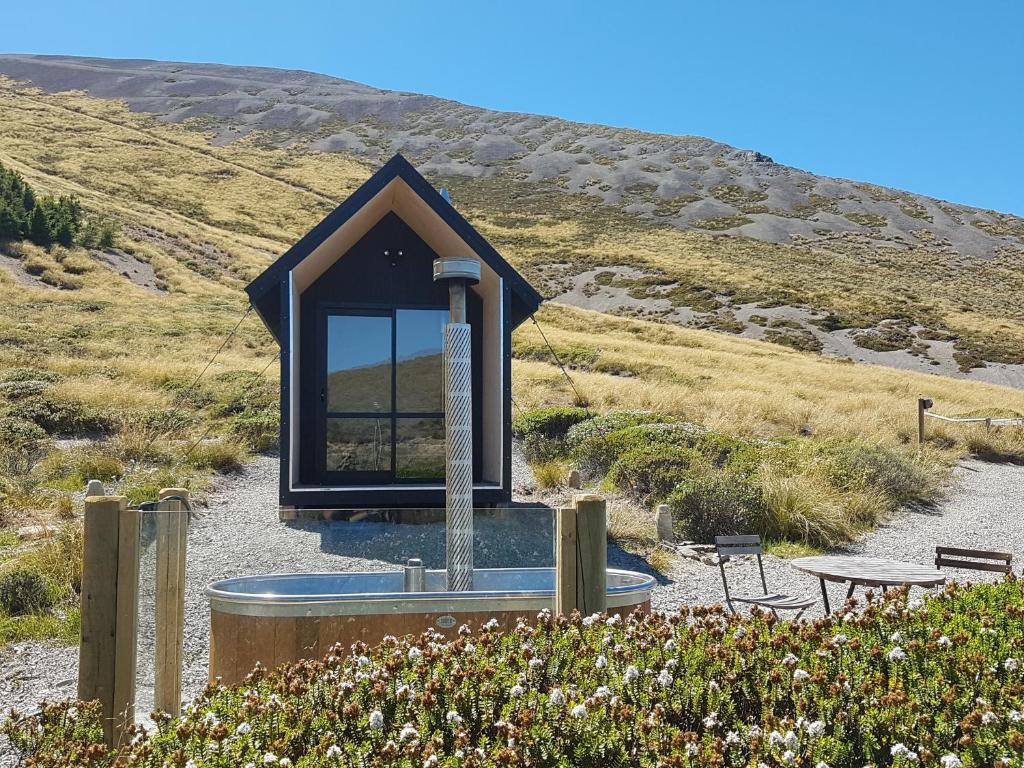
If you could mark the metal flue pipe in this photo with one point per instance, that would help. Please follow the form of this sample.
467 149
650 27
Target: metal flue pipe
458 272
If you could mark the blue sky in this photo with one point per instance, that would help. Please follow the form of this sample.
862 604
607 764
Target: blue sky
924 96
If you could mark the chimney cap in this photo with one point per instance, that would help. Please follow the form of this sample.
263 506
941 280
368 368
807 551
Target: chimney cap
457 268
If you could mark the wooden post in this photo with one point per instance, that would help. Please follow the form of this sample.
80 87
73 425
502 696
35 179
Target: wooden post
566 599
110 574
663 522
171 537
988 425
922 406
592 547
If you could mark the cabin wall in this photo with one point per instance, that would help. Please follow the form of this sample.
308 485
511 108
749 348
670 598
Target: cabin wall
363 275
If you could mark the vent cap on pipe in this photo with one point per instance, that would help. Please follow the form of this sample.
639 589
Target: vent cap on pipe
457 268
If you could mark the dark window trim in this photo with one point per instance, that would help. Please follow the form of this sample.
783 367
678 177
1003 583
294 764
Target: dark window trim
326 310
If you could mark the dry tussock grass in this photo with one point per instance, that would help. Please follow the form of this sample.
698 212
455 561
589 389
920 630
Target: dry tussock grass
752 389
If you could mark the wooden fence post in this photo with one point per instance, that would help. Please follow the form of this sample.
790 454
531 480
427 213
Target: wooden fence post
922 406
592 546
663 522
110 580
171 537
566 598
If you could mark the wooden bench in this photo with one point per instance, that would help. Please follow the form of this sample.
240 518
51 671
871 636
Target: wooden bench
983 560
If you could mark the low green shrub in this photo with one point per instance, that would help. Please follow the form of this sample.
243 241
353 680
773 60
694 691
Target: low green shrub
551 423
29 374
716 504
62 417
612 422
259 430
15 390
596 454
855 465
542 431
187 393
538 449
63 627
23 591
719 448
16 433
650 473
936 682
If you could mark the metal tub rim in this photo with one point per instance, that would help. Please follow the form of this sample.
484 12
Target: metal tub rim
628 589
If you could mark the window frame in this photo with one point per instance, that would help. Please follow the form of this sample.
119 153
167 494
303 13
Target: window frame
368 477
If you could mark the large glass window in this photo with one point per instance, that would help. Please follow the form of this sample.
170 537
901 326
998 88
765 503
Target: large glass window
359 363
419 448
384 394
419 359
359 445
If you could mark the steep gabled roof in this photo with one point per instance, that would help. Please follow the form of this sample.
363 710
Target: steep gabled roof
264 291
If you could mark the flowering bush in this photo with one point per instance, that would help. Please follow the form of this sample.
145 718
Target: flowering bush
900 683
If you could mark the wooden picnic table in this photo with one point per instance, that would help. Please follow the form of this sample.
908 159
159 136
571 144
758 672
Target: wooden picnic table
867 572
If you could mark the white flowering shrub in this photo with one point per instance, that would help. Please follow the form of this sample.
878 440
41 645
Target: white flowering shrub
934 683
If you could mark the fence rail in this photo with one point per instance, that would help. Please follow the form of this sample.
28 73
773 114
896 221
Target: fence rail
924 406
995 422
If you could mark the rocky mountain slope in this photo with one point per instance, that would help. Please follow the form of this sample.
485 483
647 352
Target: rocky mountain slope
687 181
830 265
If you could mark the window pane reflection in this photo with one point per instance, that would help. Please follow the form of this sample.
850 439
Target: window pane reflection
420 348
419 449
359 445
358 363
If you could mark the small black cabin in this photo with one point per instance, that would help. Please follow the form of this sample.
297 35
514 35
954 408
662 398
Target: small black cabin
360 322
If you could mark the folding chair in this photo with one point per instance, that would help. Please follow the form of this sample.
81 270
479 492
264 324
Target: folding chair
984 560
750 544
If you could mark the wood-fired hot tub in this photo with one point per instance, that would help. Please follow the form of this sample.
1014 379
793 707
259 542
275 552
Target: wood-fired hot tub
280 618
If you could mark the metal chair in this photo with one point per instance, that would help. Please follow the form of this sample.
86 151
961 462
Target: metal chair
983 560
750 544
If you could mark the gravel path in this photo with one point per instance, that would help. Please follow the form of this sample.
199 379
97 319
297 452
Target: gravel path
984 510
239 533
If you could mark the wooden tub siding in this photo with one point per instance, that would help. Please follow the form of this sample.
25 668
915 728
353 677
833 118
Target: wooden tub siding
238 642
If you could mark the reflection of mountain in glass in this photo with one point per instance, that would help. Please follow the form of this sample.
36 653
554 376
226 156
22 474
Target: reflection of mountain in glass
368 389
359 445
420 449
419 342
359 353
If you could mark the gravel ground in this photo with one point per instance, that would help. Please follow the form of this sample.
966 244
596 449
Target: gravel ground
239 534
984 510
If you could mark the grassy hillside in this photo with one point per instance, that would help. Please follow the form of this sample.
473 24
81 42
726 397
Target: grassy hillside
102 367
206 219
680 228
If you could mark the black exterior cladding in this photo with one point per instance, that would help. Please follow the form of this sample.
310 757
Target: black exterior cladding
381 283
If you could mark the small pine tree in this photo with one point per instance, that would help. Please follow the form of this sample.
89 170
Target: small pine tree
10 227
64 233
108 234
39 227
